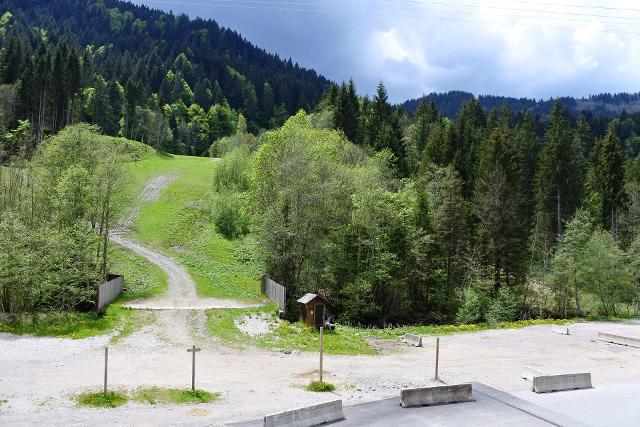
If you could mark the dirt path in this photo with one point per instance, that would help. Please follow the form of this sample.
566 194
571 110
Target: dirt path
181 294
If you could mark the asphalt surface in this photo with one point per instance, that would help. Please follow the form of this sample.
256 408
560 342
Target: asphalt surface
490 407
604 405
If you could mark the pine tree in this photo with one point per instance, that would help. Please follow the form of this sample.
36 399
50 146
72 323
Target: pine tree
606 182
556 178
497 201
348 112
469 128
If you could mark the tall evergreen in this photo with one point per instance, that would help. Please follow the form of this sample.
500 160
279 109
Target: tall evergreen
557 181
606 183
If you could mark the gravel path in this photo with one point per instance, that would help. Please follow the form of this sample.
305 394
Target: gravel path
181 294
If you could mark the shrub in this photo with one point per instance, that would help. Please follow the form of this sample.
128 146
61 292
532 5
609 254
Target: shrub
473 307
230 221
320 386
232 172
503 308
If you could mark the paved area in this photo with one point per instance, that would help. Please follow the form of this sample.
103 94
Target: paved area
490 408
604 405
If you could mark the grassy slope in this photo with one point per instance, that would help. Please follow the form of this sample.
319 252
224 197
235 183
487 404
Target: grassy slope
179 224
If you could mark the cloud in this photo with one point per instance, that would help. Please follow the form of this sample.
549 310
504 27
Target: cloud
491 47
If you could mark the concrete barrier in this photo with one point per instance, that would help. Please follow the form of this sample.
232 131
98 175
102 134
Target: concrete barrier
412 397
414 340
529 372
619 339
314 415
550 383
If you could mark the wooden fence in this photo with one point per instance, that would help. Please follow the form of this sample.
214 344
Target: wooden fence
109 291
275 291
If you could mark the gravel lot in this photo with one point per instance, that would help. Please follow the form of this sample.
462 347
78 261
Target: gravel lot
38 375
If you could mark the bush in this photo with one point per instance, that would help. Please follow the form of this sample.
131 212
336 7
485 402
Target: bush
473 307
504 308
320 386
232 172
230 221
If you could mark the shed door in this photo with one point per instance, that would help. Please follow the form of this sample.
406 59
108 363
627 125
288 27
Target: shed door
319 315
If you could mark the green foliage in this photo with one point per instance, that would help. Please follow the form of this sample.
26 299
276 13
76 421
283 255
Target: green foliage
230 220
157 395
473 307
57 210
604 272
320 387
358 301
111 399
503 308
232 172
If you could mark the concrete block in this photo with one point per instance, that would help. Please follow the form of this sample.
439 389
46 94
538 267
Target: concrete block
529 372
619 339
414 340
550 383
412 397
564 331
314 415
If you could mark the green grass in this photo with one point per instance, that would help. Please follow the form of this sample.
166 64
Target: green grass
155 395
287 336
142 279
112 399
66 324
179 223
440 330
320 387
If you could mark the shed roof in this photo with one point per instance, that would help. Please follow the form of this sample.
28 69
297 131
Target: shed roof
306 298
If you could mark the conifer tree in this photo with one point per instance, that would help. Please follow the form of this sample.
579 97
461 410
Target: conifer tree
606 183
556 178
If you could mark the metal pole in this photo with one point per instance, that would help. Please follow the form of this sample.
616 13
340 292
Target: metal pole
437 357
321 334
193 370
106 363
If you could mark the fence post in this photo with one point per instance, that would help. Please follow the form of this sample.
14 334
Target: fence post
106 363
437 358
321 345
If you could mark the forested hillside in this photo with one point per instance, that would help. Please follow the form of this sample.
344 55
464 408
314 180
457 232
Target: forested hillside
486 217
605 104
175 83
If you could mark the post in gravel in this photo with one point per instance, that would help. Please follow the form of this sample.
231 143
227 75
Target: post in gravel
106 363
321 334
193 350
437 358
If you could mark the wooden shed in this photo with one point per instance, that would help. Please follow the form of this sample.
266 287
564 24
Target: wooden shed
312 310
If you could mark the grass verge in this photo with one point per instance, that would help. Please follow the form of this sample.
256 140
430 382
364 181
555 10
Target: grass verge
440 330
320 387
112 399
222 323
155 395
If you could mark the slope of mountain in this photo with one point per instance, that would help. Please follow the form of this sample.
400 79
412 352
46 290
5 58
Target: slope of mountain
607 105
78 51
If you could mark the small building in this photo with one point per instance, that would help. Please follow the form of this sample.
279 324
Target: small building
312 310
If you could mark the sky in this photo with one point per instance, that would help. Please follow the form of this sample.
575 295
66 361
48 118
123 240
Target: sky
515 48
